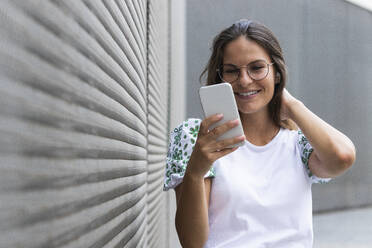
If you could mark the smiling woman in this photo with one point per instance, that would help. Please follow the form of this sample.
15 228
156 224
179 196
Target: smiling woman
231 48
256 78
258 194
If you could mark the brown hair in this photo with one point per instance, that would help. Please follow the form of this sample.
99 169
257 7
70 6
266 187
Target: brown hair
266 39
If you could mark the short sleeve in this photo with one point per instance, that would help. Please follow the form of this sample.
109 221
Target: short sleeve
305 151
181 144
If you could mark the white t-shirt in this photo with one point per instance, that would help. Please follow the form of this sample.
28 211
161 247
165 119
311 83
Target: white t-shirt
260 195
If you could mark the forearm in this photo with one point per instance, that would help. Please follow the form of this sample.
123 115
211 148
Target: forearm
331 146
192 213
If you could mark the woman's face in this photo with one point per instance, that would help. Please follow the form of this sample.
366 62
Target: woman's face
241 52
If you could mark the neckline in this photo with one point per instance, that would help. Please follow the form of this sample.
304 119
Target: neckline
265 147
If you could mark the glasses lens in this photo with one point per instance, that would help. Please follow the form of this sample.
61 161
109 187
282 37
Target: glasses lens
230 73
258 70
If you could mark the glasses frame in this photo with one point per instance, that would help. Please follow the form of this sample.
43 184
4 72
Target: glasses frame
249 74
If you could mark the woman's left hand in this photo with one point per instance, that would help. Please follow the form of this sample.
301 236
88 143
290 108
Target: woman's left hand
287 100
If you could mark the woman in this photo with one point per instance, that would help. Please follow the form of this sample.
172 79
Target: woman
257 195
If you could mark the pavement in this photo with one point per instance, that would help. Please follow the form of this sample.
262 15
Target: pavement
343 229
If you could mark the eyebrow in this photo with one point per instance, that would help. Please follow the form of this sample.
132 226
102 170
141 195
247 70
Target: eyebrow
248 63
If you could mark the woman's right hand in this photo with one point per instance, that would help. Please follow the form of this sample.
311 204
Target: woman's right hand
207 149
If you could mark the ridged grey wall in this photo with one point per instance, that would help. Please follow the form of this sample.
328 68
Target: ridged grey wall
83 123
157 119
327 46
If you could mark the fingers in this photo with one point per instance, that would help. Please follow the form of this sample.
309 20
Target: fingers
224 152
218 131
207 122
223 144
207 149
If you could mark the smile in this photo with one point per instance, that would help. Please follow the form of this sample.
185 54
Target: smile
247 95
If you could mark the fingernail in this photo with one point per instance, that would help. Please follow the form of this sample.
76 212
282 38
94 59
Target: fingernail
220 115
235 121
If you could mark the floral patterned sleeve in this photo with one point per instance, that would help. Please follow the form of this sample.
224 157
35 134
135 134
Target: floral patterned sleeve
181 143
305 150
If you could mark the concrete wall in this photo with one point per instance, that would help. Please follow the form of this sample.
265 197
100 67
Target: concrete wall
328 47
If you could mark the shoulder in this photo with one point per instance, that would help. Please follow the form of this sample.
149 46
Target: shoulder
181 143
187 132
294 136
306 150
189 126
288 138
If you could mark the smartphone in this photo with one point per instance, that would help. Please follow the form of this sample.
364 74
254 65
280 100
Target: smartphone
219 99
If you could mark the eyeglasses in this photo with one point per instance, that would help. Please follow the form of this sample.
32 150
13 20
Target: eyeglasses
257 70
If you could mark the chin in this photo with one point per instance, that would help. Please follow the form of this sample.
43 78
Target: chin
251 109
247 111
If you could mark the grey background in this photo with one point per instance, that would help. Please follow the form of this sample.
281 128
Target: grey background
327 46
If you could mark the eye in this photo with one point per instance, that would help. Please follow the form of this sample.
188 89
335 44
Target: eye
257 68
230 70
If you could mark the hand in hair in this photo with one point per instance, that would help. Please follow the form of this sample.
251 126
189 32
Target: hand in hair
287 100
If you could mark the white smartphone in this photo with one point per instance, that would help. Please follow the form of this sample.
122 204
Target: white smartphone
219 99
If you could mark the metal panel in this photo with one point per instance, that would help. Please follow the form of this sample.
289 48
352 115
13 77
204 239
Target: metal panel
73 108
157 119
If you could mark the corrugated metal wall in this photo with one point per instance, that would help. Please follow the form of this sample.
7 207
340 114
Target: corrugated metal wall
157 119
83 123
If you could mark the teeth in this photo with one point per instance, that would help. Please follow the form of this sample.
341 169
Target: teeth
248 93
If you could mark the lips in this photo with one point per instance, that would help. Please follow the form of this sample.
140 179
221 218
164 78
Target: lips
247 94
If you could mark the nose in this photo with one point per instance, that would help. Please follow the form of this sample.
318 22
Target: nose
244 78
